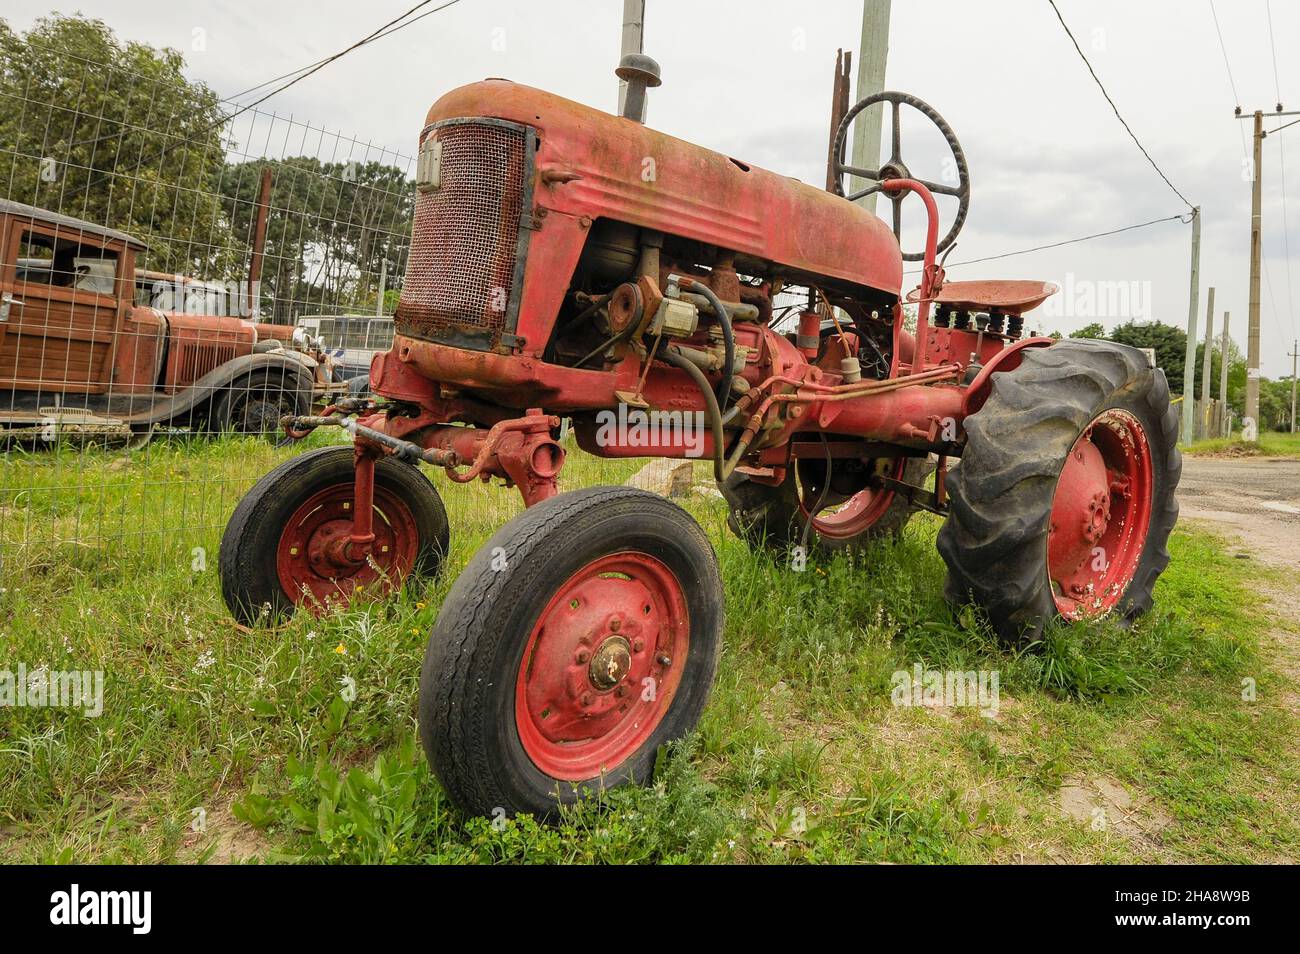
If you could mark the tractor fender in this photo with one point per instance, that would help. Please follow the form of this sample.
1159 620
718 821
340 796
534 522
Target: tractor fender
174 405
1008 359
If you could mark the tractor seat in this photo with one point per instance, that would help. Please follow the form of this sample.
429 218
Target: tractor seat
1009 297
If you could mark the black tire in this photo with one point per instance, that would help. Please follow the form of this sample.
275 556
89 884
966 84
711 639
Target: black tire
250 581
994 540
468 683
770 517
253 404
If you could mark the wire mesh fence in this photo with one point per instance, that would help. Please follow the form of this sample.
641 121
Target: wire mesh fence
177 272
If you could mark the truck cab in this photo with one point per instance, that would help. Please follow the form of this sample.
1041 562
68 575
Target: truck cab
78 351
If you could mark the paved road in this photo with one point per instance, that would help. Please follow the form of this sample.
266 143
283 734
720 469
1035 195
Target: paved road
1256 499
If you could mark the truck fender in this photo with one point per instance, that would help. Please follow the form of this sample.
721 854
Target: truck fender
222 377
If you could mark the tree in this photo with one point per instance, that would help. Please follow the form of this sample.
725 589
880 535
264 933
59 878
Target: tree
113 132
1168 342
330 229
1094 330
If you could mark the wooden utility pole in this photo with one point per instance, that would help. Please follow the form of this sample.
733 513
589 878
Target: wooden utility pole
1189 360
254 298
1223 379
871 79
839 106
1203 421
1295 349
1251 419
633 39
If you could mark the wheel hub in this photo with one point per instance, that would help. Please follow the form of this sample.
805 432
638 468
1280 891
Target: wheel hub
313 558
1100 514
260 415
611 663
597 673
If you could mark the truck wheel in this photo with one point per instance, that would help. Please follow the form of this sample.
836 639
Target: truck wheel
580 638
852 515
255 403
1063 502
276 552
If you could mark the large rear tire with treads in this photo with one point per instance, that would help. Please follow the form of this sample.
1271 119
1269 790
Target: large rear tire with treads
1063 502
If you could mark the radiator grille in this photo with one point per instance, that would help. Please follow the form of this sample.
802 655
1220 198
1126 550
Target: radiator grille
460 274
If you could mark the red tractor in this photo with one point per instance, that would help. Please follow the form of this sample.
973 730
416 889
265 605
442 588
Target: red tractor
571 263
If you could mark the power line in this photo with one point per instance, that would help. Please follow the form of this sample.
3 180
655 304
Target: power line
1135 139
1281 145
1268 8
344 52
379 34
1245 154
390 26
1073 241
1236 100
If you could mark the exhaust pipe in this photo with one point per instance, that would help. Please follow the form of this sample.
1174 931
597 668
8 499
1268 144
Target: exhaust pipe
640 72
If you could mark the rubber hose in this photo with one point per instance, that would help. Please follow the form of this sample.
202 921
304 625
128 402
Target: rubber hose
721 468
728 342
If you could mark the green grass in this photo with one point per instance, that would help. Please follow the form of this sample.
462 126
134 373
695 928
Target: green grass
1270 444
801 756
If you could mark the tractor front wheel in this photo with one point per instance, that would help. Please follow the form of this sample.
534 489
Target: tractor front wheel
286 543
1063 502
580 638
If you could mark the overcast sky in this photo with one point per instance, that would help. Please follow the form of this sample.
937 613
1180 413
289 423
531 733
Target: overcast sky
1049 161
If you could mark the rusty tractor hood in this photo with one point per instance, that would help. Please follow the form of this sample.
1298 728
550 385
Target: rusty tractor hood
592 163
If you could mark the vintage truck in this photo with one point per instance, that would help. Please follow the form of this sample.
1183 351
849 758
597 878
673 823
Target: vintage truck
78 353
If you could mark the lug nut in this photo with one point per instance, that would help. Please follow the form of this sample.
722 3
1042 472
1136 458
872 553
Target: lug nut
638 645
583 657
664 659
614 624
586 698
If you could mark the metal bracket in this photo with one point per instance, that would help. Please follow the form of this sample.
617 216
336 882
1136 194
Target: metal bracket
926 500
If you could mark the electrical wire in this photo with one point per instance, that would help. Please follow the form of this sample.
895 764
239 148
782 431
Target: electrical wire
391 27
387 30
1135 139
1246 157
1181 216
1226 65
1281 145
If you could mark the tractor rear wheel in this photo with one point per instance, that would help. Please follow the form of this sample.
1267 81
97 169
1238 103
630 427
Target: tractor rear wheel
852 514
580 638
1063 502
282 546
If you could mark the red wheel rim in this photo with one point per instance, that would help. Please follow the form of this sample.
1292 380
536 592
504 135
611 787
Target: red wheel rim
1101 512
857 514
313 561
602 665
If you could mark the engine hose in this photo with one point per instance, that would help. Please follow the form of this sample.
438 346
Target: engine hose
728 339
722 468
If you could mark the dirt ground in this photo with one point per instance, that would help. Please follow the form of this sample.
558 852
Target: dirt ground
1256 498
1255 503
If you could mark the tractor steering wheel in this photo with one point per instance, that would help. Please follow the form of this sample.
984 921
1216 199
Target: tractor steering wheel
895 169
